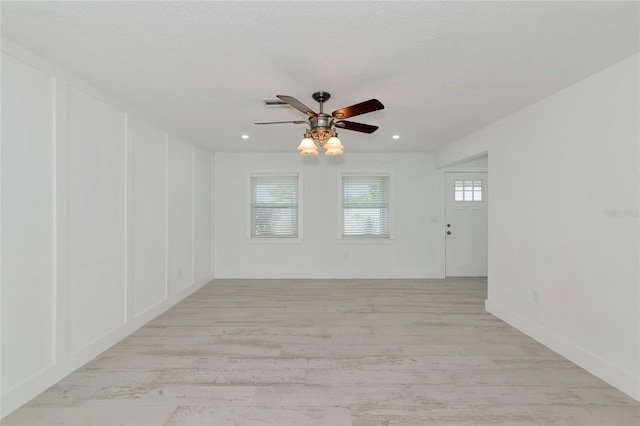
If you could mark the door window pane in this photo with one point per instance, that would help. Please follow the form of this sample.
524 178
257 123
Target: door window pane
467 190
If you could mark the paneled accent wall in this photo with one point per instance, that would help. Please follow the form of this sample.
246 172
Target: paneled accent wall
107 221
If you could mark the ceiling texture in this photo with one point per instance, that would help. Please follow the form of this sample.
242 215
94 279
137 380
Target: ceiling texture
443 70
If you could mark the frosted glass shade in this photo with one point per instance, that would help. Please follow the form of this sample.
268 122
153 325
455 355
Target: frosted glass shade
308 147
333 146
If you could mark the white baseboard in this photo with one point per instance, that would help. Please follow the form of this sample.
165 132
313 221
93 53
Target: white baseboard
301 274
28 389
601 368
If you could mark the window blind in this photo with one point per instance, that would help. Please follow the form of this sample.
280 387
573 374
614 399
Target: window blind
274 206
365 206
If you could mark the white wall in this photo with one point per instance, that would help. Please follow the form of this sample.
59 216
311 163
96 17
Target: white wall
416 248
28 257
564 232
149 218
96 197
203 226
180 214
97 207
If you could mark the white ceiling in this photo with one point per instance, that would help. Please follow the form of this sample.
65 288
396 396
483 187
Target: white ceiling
442 69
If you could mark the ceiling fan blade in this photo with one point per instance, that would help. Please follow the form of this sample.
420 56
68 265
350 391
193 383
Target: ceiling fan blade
357 109
297 104
358 127
280 122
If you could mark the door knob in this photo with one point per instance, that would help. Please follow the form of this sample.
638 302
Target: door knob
448 232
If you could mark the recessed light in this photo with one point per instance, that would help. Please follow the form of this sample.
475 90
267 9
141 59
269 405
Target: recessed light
245 136
396 136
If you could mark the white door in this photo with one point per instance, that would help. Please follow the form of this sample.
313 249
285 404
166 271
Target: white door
466 224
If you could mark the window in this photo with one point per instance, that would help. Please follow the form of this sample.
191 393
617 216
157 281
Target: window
467 190
365 206
274 206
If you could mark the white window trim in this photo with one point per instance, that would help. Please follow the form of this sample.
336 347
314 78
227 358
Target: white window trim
247 213
365 239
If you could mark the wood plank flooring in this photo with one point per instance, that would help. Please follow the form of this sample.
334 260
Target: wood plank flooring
333 353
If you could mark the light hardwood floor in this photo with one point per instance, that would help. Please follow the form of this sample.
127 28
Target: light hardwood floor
334 353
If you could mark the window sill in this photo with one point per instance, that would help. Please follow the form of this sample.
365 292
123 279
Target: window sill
366 240
268 240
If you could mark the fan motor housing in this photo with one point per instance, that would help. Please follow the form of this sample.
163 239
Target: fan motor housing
321 127
321 120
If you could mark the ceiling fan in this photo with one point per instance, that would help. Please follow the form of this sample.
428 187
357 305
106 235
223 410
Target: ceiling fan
322 126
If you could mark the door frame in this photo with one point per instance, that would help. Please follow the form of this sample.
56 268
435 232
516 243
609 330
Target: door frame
458 167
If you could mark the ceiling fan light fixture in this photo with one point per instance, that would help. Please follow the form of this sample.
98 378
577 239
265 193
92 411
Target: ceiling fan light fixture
333 146
307 146
322 126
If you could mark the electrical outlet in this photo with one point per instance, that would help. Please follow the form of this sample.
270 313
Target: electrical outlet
535 298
